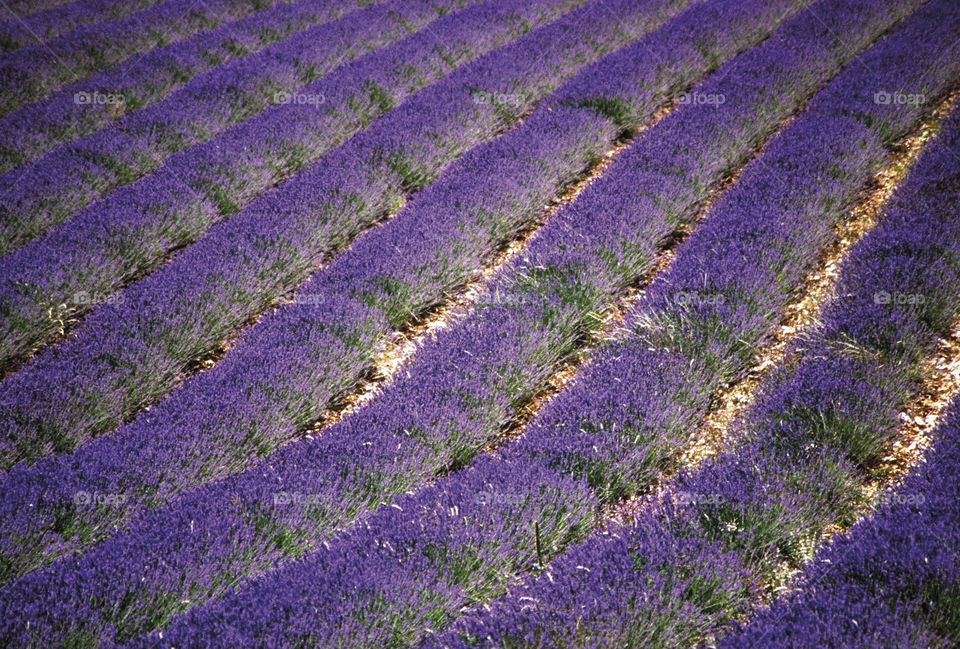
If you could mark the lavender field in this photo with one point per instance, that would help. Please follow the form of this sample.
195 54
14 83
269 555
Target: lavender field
480 323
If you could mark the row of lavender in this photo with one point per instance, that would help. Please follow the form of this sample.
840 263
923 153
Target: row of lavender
394 445
71 177
129 233
894 580
413 566
725 537
432 248
24 8
81 108
33 72
134 350
44 23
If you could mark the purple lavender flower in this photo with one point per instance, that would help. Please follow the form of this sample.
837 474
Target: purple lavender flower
694 563
32 72
37 128
459 391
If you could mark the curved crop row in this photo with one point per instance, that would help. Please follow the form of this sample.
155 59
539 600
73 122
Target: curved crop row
49 22
81 108
88 258
33 72
893 581
24 8
432 248
439 564
455 398
142 345
692 564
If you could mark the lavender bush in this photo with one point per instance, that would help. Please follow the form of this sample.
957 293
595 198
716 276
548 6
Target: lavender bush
229 94
243 265
26 8
33 72
390 277
79 109
266 608
129 232
892 582
204 521
463 385
694 563
43 23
